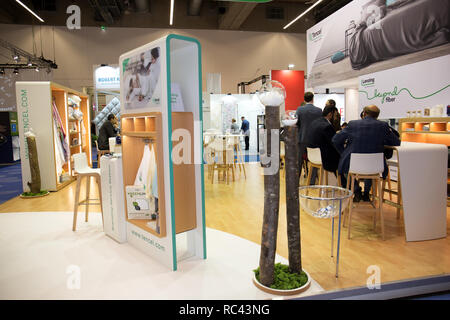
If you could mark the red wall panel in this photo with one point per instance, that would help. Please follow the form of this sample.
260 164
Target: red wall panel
294 82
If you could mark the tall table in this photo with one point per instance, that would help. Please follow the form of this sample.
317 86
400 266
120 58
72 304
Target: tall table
422 171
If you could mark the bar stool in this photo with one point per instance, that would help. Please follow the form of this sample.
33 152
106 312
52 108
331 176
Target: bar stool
315 160
393 162
225 160
367 166
83 170
235 143
99 153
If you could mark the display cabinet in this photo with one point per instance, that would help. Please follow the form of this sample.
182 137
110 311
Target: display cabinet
425 130
42 106
161 116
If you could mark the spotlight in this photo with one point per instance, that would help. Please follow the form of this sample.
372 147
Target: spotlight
15 57
16 71
2 71
291 66
37 69
29 63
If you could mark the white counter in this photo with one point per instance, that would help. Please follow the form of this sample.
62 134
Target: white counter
423 176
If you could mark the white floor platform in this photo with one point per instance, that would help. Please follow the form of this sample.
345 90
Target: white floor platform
40 256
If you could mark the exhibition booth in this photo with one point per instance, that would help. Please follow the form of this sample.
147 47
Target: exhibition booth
184 211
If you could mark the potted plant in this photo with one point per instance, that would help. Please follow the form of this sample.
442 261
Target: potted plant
270 277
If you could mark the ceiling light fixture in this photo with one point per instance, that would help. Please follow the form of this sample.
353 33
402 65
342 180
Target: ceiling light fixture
15 57
16 71
172 2
37 69
301 15
291 66
29 10
29 63
2 71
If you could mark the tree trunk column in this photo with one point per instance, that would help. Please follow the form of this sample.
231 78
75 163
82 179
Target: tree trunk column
35 185
290 137
271 199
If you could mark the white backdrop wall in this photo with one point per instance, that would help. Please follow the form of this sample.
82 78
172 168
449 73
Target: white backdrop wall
247 106
237 56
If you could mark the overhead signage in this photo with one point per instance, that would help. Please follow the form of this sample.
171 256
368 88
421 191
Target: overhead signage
107 77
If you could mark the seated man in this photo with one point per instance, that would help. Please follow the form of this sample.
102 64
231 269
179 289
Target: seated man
321 132
108 130
367 135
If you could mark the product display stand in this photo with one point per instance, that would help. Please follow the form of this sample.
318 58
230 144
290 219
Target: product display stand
34 108
157 224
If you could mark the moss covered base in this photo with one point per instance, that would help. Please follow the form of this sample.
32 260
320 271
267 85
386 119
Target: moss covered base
34 195
285 282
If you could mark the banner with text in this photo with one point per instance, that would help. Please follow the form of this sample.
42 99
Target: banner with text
413 87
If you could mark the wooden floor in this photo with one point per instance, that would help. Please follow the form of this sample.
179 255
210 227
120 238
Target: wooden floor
237 208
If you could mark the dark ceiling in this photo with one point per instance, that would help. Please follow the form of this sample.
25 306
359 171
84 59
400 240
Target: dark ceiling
188 14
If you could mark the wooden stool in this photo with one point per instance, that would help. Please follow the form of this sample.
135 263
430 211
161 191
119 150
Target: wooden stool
99 153
367 166
393 162
83 170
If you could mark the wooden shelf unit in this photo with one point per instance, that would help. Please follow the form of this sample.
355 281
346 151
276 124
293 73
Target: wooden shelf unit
149 125
412 130
36 112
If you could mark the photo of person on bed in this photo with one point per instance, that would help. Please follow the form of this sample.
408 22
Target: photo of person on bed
367 36
390 28
141 77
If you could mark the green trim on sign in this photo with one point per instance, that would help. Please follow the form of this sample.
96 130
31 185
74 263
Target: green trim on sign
169 124
169 105
394 92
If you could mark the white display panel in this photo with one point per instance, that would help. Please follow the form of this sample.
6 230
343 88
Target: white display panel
412 87
34 103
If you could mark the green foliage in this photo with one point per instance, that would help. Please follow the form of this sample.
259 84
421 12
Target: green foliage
31 194
283 279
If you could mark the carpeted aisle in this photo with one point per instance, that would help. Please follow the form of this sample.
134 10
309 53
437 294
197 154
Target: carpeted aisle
10 181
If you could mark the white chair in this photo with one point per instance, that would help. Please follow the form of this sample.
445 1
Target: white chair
82 170
367 166
314 161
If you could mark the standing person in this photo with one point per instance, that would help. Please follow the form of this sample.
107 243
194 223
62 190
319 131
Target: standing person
305 115
367 135
320 135
245 128
108 130
234 126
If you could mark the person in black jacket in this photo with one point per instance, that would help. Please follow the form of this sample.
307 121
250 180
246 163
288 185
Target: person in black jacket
108 130
320 135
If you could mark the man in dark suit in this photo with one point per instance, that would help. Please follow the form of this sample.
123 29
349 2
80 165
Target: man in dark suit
305 115
367 135
320 136
108 130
